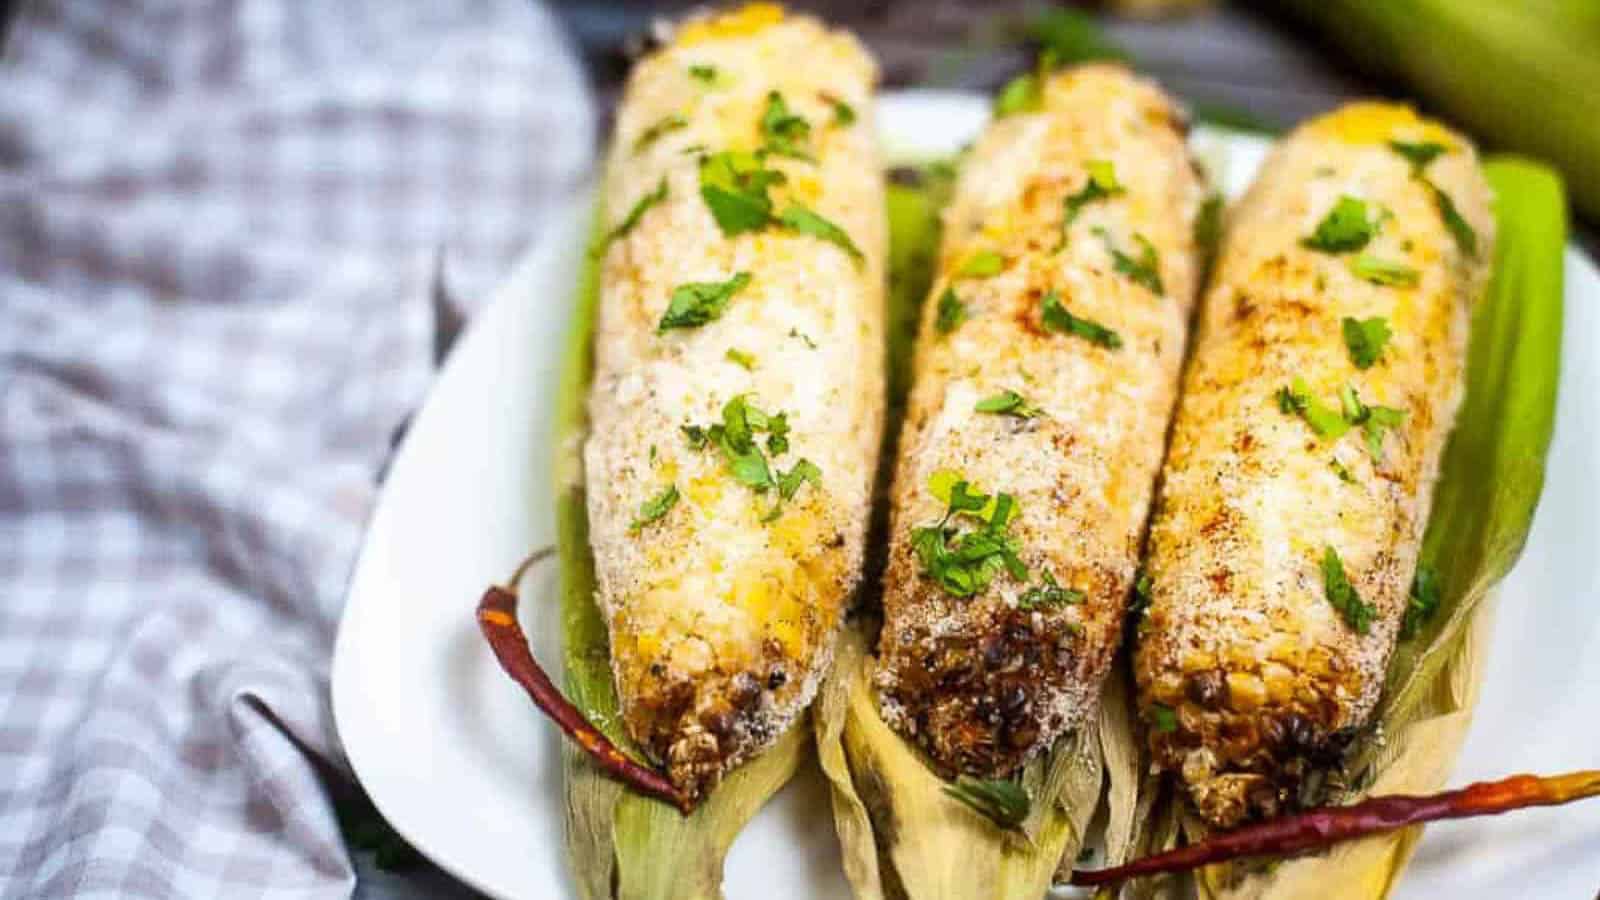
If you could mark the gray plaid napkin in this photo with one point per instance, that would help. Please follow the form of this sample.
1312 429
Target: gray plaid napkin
222 225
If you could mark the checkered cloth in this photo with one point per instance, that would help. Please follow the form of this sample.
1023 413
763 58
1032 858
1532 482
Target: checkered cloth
224 227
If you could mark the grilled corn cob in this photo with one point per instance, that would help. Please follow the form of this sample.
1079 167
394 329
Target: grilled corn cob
1048 365
1325 379
737 403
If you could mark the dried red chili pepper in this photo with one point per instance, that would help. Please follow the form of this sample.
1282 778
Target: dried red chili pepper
497 618
1331 824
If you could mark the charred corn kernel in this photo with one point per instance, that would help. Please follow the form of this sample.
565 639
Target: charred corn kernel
722 611
1090 202
1250 504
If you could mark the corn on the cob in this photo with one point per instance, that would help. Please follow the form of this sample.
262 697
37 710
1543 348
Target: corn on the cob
1325 380
737 401
1047 371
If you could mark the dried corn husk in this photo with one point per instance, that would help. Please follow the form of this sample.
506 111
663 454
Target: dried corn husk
1489 485
623 845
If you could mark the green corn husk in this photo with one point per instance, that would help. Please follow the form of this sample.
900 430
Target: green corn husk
1523 74
1489 486
623 846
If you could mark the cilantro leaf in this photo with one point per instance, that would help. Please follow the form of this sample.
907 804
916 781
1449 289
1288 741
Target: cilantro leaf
640 207
1021 94
783 130
982 264
1008 403
1050 594
1056 318
1336 586
697 302
1466 239
844 115
1162 718
1422 601
740 358
734 187
1296 400
655 508
965 562
1100 184
652 134
1378 420
805 221
1419 154
1365 339
952 312
1340 470
1146 270
1005 803
704 74
1380 271
1345 227
804 471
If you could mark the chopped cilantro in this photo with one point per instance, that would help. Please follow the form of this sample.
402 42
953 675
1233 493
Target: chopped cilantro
1357 613
805 221
734 186
1162 718
655 508
964 563
1146 270
637 212
1021 94
1422 602
705 74
1001 801
1048 595
654 132
1419 154
697 302
1143 586
797 333
784 132
1345 227
1374 420
1297 400
735 436
1466 239
844 115
952 312
1340 470
1100 184
1056 318
1007 403
740 358
1381 271
983 264
1365 338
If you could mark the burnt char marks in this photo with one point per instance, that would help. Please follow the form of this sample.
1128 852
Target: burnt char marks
975 700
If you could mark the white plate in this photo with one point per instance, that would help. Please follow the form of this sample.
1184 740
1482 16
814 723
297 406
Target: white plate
462 766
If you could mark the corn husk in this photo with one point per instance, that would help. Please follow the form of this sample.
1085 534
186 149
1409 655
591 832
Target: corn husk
1490 481
1524 74
622 845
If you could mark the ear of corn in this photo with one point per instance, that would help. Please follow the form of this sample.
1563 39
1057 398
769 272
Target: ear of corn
1473 538
622 845
900 833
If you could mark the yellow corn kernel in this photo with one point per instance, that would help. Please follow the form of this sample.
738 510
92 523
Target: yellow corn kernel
1246 692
